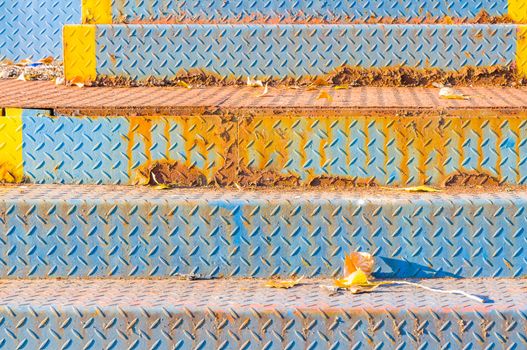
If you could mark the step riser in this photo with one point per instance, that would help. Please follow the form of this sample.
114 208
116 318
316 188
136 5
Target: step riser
139 52
243 11
257 328
53 232
287 150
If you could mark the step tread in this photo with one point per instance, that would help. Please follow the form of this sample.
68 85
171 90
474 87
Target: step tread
244 314
245 295
118 194
141 100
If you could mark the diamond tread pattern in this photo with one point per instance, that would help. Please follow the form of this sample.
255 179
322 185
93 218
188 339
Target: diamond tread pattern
242 314
78 231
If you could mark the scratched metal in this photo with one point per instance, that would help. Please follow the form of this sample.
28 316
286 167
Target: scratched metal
33 28
242 314
382 150
142 51
242 11
66 230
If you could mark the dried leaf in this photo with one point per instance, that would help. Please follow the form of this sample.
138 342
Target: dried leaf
265 92
283 284
184 84
163 187
326 95
359 261
420 189
341 87
25 62
312 87
77 81
355 279
254 83
451 94
320 82
48 60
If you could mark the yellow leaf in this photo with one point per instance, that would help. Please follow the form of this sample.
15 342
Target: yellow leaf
77 81
451 94
283 284
326 95
341 87
162 187
420 189
357 278
184 84
48 60
25 62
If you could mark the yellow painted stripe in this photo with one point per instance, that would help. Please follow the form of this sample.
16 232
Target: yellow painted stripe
80 61
14 112
521 51
11 162
96 11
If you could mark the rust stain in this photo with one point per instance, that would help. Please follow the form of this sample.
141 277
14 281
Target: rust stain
139 127
168 138
497 127
186 17
324 142
498 75
259 151
478 126
367 151
402 139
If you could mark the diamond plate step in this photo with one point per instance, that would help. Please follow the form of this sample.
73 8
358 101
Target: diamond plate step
139 52
33 28
294 11
242 314
78 231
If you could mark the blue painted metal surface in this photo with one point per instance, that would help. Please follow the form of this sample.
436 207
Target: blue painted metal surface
242 314
138 51
99 231
33 28
294 10
88 150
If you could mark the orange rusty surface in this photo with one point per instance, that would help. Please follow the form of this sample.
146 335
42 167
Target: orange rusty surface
202 138
167 101
273 144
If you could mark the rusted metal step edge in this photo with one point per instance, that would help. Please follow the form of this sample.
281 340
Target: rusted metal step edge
315 12
155 101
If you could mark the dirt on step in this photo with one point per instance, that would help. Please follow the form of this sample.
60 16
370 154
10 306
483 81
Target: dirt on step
471 179
174 173
351 76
